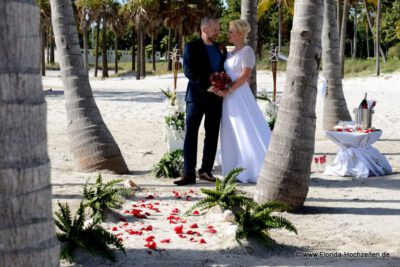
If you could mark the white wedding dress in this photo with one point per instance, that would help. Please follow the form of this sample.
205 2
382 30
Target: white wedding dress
245 133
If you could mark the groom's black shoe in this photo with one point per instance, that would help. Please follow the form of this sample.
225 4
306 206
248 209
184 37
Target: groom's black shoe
207 176
187 179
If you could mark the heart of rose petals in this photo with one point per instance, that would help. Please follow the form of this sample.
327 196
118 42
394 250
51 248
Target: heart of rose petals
196 212
194 226
202 241
168 240
151 245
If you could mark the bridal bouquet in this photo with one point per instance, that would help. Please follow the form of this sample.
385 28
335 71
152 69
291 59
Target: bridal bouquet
220 81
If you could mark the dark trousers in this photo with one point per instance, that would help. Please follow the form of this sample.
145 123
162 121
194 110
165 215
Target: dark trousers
194 115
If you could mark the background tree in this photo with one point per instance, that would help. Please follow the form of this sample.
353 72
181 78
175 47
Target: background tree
342 36
92 145
249 13
265 5
45 25
27 230
335 106
285 175
378 23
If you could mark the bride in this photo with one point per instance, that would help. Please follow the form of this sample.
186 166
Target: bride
244 131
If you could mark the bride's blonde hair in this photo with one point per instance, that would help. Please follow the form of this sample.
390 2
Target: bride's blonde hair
241 26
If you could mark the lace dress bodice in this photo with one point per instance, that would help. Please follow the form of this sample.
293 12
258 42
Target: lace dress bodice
240 59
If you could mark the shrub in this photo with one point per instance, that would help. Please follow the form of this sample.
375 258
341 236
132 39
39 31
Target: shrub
394 51
170 165
74 234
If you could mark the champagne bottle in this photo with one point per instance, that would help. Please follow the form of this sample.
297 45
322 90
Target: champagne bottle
364 103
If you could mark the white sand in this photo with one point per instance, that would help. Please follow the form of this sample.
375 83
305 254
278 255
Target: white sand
341 214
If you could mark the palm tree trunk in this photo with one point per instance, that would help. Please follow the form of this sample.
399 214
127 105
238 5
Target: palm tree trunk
249 13
279 26
52 46
85 47
48 45
285 175
96 65
372 31
104 66
339 16
378 25
139 49
367 40
92 144
116 52
335 106
133 49
168 56
142 53
342 44
153 51
354 55
27 230
43 51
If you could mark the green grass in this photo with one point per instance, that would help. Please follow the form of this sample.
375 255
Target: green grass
366 67
352 67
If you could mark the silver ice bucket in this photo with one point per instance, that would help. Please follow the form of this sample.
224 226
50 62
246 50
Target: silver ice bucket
363 117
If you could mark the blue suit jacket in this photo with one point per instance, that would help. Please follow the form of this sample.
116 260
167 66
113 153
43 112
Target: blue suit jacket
197 69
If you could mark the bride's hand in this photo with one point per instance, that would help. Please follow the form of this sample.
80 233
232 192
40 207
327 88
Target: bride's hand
212 90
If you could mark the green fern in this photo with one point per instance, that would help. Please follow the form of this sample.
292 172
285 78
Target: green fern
73 234
102 197
224 194
170 165
256 220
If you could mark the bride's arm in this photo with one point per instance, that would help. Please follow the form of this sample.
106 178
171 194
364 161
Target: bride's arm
243 77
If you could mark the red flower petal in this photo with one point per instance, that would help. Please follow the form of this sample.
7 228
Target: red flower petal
175 211
212 231
150 238
122 219
202 241
194 226
183 221
191 191
150 197
114 229
187 198
151 245
178 229
196 212
149 228
210 227
168 240
182 236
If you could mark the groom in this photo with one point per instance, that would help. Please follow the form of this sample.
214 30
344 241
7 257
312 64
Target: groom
201 58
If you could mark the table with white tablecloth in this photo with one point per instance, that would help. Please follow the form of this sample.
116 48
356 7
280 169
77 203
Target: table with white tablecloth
356 156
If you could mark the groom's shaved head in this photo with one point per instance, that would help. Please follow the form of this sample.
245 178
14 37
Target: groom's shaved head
209 29
207 21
